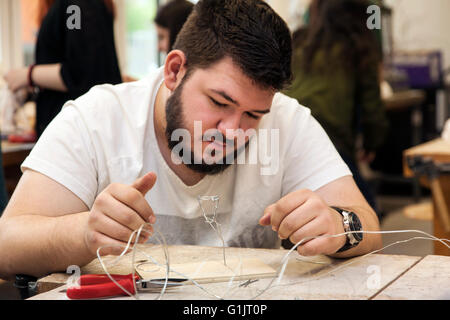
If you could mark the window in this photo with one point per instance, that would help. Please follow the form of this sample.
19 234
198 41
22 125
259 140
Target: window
136 40
1 43
141 42
5 36
18 28
30 29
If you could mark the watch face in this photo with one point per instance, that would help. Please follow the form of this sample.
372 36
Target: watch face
355 225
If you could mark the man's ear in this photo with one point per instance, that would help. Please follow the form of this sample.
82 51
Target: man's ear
174 69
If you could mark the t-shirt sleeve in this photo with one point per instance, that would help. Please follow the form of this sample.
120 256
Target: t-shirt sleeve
65 154
311 160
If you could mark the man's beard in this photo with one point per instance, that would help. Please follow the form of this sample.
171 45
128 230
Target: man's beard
175 120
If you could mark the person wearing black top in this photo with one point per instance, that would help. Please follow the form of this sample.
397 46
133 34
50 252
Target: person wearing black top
69 60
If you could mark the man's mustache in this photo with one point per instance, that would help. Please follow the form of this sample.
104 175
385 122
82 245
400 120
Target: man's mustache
217 135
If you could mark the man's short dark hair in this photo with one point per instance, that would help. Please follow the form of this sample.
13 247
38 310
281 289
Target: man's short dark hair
248 31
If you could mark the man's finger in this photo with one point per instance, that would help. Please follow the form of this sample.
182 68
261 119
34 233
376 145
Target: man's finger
285 206
317 246
312 229
133 199
145 183
265 219
125 215
112 229
109 245
296 220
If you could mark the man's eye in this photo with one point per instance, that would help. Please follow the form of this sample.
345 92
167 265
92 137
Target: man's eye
251 115
218 103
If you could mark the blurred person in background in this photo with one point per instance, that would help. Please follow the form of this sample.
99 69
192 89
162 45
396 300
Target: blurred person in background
336 64
169 20
69 60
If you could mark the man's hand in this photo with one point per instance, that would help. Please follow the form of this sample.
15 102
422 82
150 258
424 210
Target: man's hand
117 212
302 214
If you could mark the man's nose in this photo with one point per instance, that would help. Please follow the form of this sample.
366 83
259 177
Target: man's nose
230 122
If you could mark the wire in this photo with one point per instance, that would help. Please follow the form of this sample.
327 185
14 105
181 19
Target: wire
275 281
214 201
137 233
284 260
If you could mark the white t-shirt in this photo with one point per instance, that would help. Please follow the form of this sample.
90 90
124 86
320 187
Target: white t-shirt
107 135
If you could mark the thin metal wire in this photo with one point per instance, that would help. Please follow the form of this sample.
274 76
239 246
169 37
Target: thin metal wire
137 233
280 271
213 221
285 260
162 242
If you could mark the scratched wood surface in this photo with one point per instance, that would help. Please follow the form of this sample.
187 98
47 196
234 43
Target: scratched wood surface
317 277
427 280
209 271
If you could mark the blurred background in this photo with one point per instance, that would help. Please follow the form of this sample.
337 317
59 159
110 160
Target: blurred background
414 87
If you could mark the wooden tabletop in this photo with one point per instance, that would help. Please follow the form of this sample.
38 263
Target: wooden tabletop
375 276
429 280
438 150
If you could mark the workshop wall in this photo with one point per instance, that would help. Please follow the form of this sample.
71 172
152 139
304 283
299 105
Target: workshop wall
421 25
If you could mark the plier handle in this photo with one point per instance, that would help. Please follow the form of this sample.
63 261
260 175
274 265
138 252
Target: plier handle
100 285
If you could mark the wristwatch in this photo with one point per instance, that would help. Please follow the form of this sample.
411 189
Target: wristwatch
351 223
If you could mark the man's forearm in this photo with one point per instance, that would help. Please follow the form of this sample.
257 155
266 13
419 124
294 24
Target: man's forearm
370 242
38 245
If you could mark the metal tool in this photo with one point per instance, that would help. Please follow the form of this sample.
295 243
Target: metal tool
101 286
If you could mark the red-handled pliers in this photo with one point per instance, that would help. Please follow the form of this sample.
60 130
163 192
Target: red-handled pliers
100 285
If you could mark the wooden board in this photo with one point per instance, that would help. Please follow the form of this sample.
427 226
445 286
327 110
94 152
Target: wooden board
419 211
210 271
319 277
428 279
436 147
438 228
438 150
404 99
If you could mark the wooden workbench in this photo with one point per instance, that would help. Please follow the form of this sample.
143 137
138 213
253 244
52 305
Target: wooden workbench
429 279
317 277
439 151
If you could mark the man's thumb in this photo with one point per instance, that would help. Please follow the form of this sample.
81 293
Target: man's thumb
265 219
145 183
